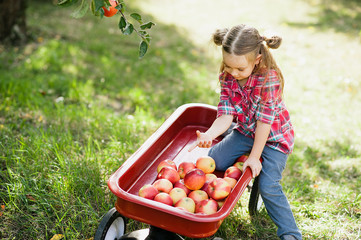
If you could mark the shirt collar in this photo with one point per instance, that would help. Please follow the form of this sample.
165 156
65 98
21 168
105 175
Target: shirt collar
251 82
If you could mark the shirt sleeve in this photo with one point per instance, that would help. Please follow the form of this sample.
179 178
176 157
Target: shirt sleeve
225 106
270 93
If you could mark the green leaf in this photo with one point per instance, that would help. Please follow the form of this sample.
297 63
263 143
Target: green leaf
81 10
128 30
137 17
92 6
122 23
143 47
147 25
98 4
119 7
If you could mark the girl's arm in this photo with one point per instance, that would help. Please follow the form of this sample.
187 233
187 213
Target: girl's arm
260 139
219 126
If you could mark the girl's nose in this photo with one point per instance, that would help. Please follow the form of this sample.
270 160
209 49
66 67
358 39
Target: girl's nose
233 72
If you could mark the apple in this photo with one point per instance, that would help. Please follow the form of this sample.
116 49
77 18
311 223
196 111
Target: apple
205 186
207 206
218 189
168 163
186 203
148 191
169 173
243 158
180 184
185 167
206 164
239 165
164 198
195 179
177 194
198 196
209 178
231 181
111 10
163 185
233 172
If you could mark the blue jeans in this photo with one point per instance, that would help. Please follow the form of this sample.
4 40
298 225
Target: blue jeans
236 144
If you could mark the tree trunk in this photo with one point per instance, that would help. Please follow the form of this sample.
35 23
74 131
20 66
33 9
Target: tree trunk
13 21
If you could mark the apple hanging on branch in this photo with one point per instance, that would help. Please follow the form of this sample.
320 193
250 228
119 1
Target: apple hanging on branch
110 8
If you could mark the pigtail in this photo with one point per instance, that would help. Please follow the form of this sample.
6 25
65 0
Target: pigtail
219 36
274 42
267 61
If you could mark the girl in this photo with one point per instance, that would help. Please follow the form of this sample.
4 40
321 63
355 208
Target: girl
251 91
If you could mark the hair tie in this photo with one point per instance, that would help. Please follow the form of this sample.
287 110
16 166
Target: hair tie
262 39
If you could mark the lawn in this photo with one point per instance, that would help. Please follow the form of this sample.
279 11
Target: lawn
76 102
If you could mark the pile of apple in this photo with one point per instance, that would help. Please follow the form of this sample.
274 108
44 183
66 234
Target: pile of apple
192 187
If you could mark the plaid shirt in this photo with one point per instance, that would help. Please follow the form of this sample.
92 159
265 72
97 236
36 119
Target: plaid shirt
257 100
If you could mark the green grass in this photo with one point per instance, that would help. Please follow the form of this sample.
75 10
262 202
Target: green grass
76 102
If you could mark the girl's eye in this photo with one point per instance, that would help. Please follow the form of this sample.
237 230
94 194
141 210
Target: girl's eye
240 69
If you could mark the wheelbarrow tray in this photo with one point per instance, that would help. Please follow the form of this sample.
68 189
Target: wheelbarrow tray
171 141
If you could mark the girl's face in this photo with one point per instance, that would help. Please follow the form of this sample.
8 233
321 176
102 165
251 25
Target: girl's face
240 67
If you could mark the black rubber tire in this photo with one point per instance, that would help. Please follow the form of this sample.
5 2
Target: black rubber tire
115 222
255 200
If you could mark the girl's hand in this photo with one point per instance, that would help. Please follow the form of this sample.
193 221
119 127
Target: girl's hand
204 140
254 164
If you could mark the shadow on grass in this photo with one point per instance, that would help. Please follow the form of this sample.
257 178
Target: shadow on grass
341 15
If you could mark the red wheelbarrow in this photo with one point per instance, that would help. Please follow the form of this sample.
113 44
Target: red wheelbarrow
171 141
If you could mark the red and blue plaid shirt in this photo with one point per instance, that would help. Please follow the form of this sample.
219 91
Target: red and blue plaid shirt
257 100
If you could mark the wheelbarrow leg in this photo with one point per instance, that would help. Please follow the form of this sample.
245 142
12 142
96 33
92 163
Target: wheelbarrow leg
153 233
161 234
255 201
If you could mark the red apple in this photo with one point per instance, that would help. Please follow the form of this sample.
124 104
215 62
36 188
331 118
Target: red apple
185 167
163 185
218 189
239 165
166 163
231 181
148 191
180 184
194 179
210 177
177 194
198 196
233 172
186 203
164 198
206 164
111 10
207 206
169 173
243 158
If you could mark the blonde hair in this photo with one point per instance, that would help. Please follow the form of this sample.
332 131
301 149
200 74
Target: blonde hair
245 40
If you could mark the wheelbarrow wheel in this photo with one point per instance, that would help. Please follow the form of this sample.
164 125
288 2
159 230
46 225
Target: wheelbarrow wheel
112 226
255 200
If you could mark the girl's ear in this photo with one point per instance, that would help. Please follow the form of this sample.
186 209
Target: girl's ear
258 59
